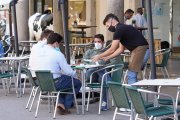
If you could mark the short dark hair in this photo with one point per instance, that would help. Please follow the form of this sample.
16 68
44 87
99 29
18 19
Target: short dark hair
108 16
100 36
47 12
54 37
139 9
45 34
129 11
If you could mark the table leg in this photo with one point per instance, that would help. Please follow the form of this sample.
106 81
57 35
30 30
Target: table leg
83 89
19 92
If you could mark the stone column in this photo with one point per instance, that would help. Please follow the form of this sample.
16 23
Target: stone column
57 18
22 13
90 17
116 7
57 21
31 7
104 7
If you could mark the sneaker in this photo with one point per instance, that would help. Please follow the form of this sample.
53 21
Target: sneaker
104 106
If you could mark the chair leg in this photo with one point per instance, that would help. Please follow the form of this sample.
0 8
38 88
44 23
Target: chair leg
34 96
165 69
24 85
100 100
49 103
115 112
4 86
136 117
30 96
151 118
55 109
38 104
89 93
125 75
75 100
163 73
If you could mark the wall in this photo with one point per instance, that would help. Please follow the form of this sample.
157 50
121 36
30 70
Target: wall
176 22
161 19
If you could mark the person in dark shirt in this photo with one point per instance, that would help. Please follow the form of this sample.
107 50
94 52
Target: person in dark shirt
125 36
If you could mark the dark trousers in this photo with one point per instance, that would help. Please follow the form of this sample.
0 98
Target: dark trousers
65 82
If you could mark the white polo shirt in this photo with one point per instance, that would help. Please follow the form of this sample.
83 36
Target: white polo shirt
36 50
53 60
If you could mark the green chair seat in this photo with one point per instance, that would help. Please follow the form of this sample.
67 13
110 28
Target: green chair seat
96 85
139 104
159 111
6 75
166 101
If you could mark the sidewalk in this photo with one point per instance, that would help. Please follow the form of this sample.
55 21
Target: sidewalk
13 108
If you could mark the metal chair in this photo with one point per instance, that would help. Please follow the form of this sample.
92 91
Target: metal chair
165 57
116 77
152 112
120 98
46 83
34 90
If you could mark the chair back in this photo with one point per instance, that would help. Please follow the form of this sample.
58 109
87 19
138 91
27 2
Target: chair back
117 75
136 99
120 97
29 75
165 58
46 81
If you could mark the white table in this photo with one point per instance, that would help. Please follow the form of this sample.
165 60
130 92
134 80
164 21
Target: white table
158 82
161 82
83 69
19 60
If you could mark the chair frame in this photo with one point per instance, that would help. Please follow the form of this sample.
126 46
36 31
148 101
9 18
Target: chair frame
163 69
125 99
34 90
102 84
54 94
156 104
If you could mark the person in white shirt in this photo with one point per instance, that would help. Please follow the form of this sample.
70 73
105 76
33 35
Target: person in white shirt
52 59
128 17
36 50
139 18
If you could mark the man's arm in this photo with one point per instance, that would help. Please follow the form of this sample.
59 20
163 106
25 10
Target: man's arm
116 53
111 50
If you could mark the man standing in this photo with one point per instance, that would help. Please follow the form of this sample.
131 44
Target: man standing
53 60
139 18
128 16
125 36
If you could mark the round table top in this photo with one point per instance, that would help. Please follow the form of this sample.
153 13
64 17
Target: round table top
83 26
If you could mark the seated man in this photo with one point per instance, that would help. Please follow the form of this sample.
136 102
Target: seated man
36 50
53 60
97 77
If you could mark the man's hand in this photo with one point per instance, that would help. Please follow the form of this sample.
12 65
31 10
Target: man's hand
95 58
106 58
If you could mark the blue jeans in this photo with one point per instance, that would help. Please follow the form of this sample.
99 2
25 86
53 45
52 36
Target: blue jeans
65 82
132 76
97 77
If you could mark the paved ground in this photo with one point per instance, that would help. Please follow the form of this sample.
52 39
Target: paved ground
14 108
